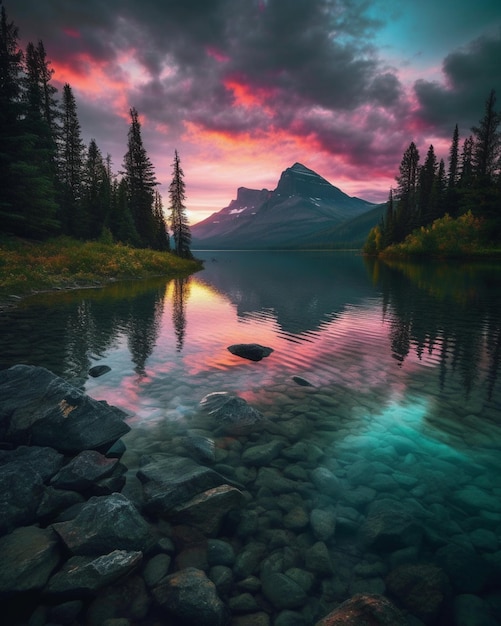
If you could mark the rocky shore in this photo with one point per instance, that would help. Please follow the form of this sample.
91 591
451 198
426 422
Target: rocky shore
225 533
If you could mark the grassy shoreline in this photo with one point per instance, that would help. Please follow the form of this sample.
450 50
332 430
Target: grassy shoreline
28 267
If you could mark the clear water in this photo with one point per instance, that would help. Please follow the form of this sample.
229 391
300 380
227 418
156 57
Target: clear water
404 412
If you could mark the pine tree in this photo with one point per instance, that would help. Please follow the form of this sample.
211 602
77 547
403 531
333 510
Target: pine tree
179 220
452 195
11 57
120 222
71 159
95 196
162 241
427 175
487 143
407 193
141 182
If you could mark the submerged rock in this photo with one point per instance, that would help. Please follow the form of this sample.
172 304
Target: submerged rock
234 416
364 609
299 380
251 351
192 597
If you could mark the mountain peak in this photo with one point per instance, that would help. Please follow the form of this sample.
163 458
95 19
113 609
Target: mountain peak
299 168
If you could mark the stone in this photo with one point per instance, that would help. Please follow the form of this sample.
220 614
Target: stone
126 599
84 575
202 449
21 493
470 610
296 519
303 451
44 460
252 619
243 603
83 471
467 571
233 415
289 618
105 523
220 552
222 577
29 556
420 588
248 560
262 454
323 523
302 382
282 591
251 351
192 597
99 370
389 526
317 559
171 481
372 609
39 407
207 510
325 481
156 569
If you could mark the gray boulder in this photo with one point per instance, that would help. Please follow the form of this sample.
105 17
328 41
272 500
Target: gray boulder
192 597
104 524
251 351
29 556
83 575
37 406
171 481
364 609
233 414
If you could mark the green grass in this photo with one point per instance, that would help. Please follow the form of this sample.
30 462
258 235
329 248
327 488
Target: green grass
27 267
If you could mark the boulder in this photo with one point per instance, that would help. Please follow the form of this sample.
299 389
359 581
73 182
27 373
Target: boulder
190 596
83 575
83 471
37 406
207 510
104 524
29 556
99 370
420 588
251 351
389 527
282 591
371 609
21 492
171 481
233 414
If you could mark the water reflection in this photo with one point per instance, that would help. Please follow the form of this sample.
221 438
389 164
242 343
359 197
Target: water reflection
448 310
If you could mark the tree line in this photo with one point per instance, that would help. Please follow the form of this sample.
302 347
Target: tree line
52 184
471 183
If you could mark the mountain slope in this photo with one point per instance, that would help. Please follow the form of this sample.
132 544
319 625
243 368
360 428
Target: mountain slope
302 203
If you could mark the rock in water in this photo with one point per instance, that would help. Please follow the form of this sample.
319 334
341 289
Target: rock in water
233 414
302 381
99 370
251 351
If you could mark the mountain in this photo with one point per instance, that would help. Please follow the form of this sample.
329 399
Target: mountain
302 204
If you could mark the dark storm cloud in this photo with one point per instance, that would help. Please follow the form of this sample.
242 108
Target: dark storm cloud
317 51
470 73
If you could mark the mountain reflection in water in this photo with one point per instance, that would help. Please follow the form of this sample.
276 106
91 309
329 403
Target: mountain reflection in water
402 423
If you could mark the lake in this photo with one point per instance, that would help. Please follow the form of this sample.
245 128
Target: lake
386 473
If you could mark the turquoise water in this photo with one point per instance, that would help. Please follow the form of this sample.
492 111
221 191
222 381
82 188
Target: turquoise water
390 459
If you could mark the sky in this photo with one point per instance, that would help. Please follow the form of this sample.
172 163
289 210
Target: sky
243 89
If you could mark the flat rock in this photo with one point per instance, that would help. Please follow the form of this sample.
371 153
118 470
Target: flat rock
172 481
105 523
83 575
251 351
38 407
83 471
233 414
29 556
99 370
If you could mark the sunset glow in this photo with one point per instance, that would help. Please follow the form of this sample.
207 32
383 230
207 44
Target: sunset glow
244 92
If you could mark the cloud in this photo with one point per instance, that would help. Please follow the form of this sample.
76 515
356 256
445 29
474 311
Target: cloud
469 75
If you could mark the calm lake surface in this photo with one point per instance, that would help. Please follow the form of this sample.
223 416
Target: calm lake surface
395 448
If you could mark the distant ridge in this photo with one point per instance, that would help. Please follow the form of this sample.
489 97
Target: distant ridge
302 205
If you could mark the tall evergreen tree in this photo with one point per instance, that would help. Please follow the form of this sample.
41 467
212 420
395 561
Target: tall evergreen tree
178 218
11 57
452 194
71 159
120 222
487 143
407 193
427 175
162 241
95 196
141 182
